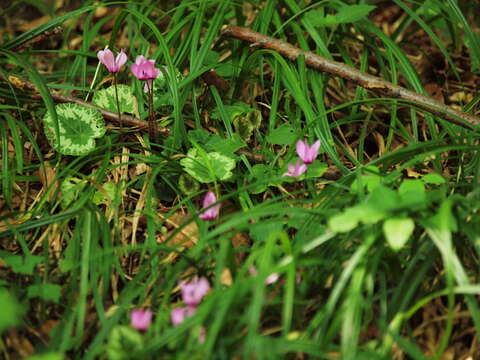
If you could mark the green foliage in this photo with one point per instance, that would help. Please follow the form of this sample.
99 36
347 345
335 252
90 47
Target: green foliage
208 167
123 343
187 184
283 135
71 188
47 292
105 98
346 14
243 117
22 264
78 128
162 96
12 311
47 356
397 231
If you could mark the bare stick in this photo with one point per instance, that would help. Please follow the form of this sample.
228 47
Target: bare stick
367 81
125 119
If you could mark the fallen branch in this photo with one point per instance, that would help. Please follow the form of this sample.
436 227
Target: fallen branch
111 116
367 81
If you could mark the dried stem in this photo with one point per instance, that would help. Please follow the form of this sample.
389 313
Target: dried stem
111 116
367 81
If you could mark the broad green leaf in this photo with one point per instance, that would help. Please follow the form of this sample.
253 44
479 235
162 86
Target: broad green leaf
78 128
208 167
345 221
410 185
123 342
105 98
187 184
225 146
433 178
70 188
107 195
262 177
283 135
316 169
346 14
237 109
368 214
47 356
412 193
47 292
243 127
200 136
383 198
397 231
22 264
12 311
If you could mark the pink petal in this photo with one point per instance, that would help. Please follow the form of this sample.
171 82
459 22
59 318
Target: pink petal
121 59
302 149
178 315
194 291
212 212
139 59
301 169
272 278
315 147
107 59
209 199
141 319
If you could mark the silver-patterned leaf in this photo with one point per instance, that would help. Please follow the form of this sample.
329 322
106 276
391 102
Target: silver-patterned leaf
78 128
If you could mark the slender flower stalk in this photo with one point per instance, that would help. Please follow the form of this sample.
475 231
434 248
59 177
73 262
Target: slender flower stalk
113 65
115 82
145 70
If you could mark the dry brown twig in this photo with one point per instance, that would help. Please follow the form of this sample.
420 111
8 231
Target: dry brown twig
111 116
367 81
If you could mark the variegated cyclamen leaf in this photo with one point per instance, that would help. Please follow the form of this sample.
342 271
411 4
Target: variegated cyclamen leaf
78 128
209 167
105 98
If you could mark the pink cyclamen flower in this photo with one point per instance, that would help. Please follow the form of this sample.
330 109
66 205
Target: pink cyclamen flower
113 64
141 319
178 315
144 69
212 212
272 278
296 169
307 153
194 291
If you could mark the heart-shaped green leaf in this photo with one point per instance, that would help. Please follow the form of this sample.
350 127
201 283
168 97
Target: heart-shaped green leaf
105 98
78 128
397 231
208 167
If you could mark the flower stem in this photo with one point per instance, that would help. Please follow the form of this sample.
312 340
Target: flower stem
116 98
152 125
